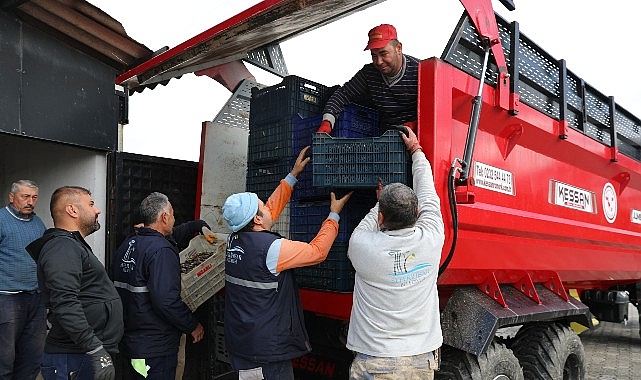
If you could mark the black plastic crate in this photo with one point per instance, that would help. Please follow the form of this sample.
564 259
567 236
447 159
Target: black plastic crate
359 162
271 141
263 179
293 96
336 273
272 113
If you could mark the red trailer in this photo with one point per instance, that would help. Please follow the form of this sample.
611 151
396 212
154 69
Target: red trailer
539 176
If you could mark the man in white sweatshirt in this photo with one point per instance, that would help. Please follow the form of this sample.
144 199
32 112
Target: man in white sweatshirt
396 250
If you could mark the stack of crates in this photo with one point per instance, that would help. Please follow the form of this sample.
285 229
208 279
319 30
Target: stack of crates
354 122
283 120
272 115
336 273
310 204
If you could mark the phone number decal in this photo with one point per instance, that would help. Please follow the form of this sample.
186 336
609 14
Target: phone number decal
491 178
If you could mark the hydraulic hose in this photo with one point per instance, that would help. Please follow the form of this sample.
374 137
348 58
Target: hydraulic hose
451 196
466 162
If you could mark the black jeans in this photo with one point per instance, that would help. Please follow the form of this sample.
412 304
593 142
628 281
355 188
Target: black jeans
23 329
160 368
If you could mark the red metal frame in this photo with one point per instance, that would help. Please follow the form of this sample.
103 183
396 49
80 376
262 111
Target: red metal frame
327 304
482 15
204 36
521 239
502 232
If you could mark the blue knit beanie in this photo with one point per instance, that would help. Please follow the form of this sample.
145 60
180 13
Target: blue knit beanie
239 209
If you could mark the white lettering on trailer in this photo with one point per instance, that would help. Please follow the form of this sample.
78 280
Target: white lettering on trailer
491 178
609 200
572 197
636 216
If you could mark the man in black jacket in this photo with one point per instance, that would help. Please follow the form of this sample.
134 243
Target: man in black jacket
85 311
146 271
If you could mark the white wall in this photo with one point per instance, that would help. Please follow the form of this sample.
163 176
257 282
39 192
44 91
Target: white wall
51 166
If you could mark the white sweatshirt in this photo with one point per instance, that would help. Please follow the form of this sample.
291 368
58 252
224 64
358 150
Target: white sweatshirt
396 308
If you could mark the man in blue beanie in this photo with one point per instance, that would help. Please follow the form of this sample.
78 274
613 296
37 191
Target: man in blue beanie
264 326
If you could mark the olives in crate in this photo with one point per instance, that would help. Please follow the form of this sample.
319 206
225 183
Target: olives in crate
193 261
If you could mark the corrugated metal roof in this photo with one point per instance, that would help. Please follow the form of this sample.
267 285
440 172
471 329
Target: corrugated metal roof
268 22
83 26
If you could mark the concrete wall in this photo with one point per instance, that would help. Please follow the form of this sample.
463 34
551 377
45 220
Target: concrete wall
52 165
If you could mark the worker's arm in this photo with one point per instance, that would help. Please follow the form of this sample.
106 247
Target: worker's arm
369 222
184 232
281 195
353 89
163 284
429 206
287 254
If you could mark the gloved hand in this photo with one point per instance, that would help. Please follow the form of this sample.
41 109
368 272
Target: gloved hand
325 127
411 141
411 125
208 234
202 223
103 367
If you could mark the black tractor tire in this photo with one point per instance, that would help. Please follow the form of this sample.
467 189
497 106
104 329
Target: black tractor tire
497 363
549 351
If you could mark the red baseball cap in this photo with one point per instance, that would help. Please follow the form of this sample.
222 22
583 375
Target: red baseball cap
380 36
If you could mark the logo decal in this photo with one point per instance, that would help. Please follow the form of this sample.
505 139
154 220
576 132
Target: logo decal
128 263
235 254
609 199
404 273
562 194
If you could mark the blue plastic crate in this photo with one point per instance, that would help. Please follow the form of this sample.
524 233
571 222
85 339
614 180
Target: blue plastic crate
355 121
304 129
306 217
336 273
358 162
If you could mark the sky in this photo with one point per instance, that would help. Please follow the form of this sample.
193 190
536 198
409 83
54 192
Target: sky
597 39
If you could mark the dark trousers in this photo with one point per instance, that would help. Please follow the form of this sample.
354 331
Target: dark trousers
66 367
160 368
23 329
282 370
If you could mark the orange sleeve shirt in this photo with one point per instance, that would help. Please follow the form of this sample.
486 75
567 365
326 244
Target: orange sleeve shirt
286 254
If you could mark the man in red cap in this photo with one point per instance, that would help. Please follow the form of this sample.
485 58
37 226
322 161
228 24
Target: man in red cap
390 83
